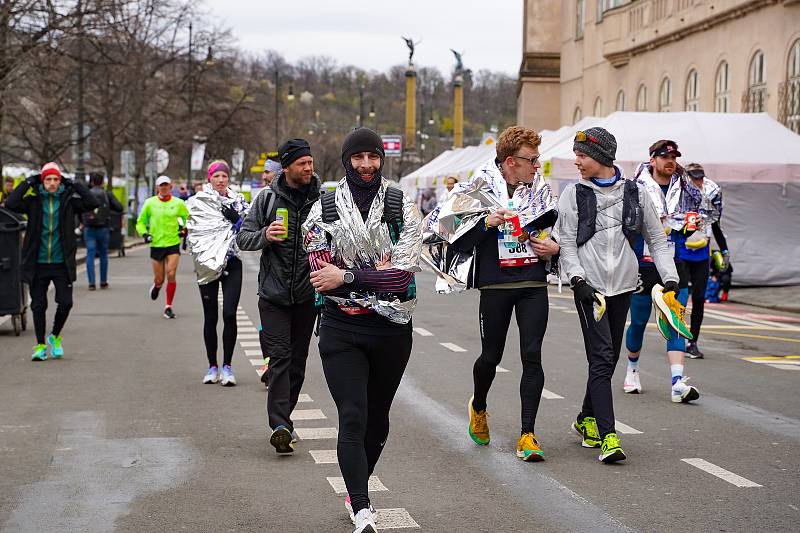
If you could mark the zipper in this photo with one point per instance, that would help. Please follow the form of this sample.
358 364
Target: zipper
50 234
294 259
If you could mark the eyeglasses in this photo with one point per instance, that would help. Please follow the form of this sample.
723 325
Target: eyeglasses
532 160
582 137
697 174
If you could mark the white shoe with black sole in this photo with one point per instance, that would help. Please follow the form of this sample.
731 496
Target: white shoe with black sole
365 522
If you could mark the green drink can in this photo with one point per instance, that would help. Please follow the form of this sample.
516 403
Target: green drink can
282 216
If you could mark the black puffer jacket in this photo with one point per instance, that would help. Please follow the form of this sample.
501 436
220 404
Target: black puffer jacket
284 276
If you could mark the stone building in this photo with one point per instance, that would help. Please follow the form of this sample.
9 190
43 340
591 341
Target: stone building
594 57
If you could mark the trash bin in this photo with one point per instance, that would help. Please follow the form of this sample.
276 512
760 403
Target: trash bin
13 300
116 241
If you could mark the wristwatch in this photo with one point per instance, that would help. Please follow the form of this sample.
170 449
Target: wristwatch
348 277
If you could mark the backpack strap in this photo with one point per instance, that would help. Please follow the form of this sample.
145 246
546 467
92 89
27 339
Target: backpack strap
393 211
631 212
586 202
329 213
267 214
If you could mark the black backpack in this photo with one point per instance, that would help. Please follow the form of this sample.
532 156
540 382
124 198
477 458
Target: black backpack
99 217
632 216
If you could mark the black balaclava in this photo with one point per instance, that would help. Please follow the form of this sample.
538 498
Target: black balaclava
364 192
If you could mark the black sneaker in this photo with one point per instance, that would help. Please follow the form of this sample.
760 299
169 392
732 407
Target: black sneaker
104 285
168 313
92 287
154 291
282 440
693 352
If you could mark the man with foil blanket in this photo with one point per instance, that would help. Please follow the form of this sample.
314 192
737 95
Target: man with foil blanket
475 221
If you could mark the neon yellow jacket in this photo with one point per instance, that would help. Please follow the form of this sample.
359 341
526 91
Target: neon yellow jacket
160 220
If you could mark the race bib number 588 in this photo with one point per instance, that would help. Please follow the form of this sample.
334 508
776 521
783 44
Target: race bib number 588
521 255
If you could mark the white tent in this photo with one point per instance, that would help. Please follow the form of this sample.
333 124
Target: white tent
756 161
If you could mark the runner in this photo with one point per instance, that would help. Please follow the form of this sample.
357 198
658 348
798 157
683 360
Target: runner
599 218
215 215
674 196
512 280
285 295
364 242
51 203
161 223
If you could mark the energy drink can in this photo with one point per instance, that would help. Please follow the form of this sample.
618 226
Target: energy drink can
691 221
282 216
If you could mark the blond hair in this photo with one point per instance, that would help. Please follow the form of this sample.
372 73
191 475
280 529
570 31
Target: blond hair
513 138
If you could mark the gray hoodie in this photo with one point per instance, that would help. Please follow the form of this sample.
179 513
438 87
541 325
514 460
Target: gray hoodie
606 261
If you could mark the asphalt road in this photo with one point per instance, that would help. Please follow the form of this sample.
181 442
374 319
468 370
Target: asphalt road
122 436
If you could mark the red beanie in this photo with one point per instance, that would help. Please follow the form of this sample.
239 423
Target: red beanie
50 168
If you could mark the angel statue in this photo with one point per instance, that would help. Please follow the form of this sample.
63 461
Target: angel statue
410 43
459 63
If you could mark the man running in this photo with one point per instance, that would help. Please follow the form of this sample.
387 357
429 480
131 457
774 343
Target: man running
48 252
673 196
162 223
512 280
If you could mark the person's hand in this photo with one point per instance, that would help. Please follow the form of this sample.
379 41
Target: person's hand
327 278
671 286
385 263
230 213
583 291
546 247
33 179
726 259
497 218
275 232
147 238
183 232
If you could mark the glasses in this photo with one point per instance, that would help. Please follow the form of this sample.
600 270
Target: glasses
532 160
582 137
697 174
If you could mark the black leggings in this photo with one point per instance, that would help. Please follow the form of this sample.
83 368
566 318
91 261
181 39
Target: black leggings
231 281
698 278
531 307
42 276
363 373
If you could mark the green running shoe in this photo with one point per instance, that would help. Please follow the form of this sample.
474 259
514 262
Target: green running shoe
673 310
662 324
39 352
56 350
587 429
611 451
478 425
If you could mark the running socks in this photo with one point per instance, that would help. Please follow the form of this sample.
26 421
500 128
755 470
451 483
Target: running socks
677 373
633 364
171 286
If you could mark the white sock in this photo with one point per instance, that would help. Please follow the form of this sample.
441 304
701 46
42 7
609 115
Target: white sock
633 365
677 373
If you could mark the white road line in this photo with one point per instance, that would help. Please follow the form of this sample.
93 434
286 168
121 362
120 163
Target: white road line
251 353
500 369
373 485
732 317
240 308
240 323
570 312
308 414
559 307
304 398
550 395
423 332
250 344
324 457
395 519
245 336
720 472
626 429
784 366
256 362
246 330
316 433
452 347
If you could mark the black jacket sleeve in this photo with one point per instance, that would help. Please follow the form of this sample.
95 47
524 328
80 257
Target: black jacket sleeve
15 200
719 236
85 201
113 203
251 234
474 237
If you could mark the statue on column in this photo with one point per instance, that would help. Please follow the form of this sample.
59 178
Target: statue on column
459 63
410 43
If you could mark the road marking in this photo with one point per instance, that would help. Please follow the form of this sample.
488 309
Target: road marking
395 519
752 336
786 362
500 369
452 347
559 307
316 433
246 330
251 353
785 366
304 398
308 414
324 457
626 429
373 485
256 362
244 336
720 472
550 395
749 320
570 312
250 344
240 323
423 332
770 358
240 308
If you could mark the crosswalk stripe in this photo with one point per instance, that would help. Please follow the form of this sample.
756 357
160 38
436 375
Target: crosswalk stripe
626 429
395 519
240 323
316 433
304 398
452 347
373 485
785 366
250 344
256 362
423 332
250 353
720 472
246 330
550 395
308 414
324 457
500 369
246 336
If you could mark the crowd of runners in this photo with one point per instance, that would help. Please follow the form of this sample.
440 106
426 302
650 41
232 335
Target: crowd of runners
346 261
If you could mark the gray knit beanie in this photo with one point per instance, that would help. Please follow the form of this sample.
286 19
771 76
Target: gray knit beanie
597 143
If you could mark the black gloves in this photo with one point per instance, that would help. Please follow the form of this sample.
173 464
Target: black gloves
147 238
33 179
583 291
671 286
230 213
183 232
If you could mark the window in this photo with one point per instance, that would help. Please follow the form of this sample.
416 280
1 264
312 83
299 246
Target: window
722 92
641 98
692 81
598 107
791 96
756 95
665 95
579 18
577 115
621 100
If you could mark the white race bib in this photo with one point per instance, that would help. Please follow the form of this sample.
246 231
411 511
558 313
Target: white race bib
521 255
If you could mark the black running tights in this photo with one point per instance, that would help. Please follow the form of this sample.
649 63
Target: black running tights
231 282
42 276
698 277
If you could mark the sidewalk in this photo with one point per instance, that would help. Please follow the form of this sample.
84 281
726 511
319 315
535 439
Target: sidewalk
132 242
779 298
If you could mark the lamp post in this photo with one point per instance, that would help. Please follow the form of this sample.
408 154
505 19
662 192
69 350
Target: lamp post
360 106
191 105
277 108
81 141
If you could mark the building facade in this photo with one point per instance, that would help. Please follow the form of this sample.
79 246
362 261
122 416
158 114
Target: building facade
594 57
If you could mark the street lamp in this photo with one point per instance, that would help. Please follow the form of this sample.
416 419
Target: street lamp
289 97
360 106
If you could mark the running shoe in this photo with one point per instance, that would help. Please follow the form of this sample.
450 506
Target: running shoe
673 310
212 376
295 437
39 352
92 287
227 379
632 384
611 451
683 393
349 507
281 439
693 352
154 290
587 429
478 425
56 349
103 285
365 522
168 313
528 448
662 324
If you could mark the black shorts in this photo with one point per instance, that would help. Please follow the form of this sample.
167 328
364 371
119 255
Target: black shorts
649 276
159 254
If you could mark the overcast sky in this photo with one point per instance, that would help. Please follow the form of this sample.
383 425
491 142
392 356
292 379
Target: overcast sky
367 34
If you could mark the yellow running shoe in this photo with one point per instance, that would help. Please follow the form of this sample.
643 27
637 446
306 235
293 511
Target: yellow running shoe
528 448
478 425
673 310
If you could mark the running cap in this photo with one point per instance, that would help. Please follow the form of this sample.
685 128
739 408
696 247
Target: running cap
664 147
163 179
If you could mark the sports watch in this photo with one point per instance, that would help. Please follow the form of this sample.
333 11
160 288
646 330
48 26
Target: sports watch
348 277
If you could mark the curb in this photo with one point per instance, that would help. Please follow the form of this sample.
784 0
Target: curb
81 259
774 307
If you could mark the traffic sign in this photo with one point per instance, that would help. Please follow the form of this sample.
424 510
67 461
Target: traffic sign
392 145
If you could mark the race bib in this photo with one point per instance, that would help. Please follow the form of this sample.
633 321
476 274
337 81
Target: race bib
521 255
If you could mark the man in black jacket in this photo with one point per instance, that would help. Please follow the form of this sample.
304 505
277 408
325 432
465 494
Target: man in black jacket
97 229
48 251
286 297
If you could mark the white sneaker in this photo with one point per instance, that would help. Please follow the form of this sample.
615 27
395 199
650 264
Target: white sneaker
349 507
365 522
632 384
212 376
683 393
227 379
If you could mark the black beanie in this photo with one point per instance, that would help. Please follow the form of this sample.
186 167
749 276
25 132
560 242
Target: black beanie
599 144
292 150
361 140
